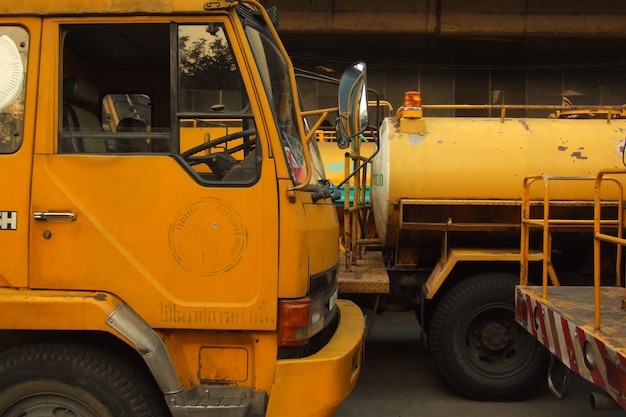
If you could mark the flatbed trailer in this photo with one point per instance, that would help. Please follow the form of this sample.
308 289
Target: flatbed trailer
581 326
561 324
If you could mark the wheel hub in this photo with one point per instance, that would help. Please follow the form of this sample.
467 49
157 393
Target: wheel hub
494 336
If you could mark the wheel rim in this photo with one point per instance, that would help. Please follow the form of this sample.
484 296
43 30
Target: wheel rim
49 405
494 345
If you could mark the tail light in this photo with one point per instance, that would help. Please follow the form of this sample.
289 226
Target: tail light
294 316
300 319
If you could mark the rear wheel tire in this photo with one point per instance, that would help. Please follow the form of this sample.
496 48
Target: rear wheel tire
480 351
54 380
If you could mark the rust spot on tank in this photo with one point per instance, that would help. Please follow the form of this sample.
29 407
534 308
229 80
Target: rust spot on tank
562 148
524 124
578 154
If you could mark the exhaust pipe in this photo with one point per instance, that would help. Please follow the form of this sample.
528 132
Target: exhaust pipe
603 401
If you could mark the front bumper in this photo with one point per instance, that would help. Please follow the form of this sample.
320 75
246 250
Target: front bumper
315 386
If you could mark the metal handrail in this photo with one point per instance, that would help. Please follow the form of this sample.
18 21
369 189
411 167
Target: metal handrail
600 237
598 223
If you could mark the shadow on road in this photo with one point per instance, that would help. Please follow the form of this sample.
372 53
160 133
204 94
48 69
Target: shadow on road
400 379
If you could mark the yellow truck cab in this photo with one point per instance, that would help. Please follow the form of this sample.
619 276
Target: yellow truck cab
167 243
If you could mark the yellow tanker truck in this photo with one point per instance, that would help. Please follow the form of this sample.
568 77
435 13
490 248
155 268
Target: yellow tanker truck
446 207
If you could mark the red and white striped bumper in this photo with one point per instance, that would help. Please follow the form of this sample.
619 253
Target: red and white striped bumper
564 324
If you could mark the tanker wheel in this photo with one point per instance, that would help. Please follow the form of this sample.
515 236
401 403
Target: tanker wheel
479 349
64 380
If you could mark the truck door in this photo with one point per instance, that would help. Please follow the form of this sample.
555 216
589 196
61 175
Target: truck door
177 214
18 63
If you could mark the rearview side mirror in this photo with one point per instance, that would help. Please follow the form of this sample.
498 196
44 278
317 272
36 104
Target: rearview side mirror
353 118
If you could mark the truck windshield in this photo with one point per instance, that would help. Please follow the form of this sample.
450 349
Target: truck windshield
275 74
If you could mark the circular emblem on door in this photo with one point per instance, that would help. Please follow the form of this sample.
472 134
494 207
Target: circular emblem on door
208 237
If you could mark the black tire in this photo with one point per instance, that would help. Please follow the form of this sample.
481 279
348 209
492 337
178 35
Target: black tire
480 351
52 379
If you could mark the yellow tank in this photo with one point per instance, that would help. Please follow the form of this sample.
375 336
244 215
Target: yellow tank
483 161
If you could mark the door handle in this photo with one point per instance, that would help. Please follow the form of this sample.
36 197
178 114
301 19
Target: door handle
58 216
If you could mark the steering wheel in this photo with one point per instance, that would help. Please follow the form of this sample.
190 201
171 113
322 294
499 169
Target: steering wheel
207 145
220 162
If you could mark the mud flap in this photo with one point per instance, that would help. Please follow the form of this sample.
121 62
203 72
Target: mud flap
558 377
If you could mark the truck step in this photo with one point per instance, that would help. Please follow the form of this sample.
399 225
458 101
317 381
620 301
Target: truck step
217 402
368 276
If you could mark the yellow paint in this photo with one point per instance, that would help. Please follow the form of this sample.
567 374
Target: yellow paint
56 310
485 158
457 161
219 364
446 264
59 7
429 167
328 375
203 263
16 171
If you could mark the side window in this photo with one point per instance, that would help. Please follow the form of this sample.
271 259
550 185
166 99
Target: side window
120 95
126 111
13 60
113 74
129 117
218 138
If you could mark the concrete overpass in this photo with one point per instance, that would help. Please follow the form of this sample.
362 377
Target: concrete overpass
525 18
463 51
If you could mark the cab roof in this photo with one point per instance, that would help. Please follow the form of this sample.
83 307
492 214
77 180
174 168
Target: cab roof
79 7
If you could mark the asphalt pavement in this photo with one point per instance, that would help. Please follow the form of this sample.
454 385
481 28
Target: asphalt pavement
400 379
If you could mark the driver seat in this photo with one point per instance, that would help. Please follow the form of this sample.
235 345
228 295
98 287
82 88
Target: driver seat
221 163
79 97
244 171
